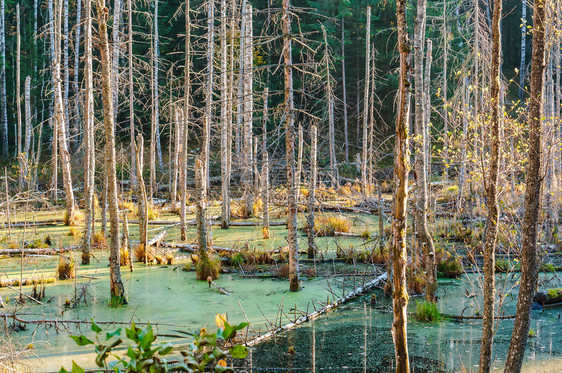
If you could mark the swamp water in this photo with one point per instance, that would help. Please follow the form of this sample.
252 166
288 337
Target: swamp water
355 337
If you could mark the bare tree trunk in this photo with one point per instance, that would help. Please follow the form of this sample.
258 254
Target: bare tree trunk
18 99
445 97
201 203
208 116
115 58
3 108
344 87
330 96
126 240
265 166
70 218
491 186
89 151
141 193
290 150
76 83
422 232
248 54
529 267
225 176
66 71
364 180
28 120
523 47
186 111
156 87
300 150
103 227
312 249
401 161
116 285
178 137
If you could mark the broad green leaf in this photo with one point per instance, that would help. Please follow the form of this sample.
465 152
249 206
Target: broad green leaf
81 340
238 352
95 328
114 334
166 349
76 368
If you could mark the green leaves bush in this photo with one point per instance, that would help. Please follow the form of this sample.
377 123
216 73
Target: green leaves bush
203 354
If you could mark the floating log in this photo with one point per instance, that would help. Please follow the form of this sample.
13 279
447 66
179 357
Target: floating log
552 297
25 295
311 316
45 251
156 240
220 289
190 248
358 210
42 223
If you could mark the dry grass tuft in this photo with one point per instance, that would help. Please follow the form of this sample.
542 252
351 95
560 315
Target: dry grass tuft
66 268
73 232
139 254
74 220
266 233
124 256
328 225
99 241
208 266
169 259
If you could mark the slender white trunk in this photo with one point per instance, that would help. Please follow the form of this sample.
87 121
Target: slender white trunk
76 83
208 116
115 58
186 111
312 191
28 118
156 87
225 182
330 97
19 135
344 87
3 108
523 47
364 180
248 55
131 96
265 166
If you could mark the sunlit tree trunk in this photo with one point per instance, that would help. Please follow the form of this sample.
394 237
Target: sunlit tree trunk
89 151
131 96
529 267
60 120
330 102
52 52
28 119
19 135
491 187
401 169
225 128
115 58
142 198
116 285
445 96
248 54
156 86
294 282
208 115
265 166
312 191
422 231
186 111
65 39
76 82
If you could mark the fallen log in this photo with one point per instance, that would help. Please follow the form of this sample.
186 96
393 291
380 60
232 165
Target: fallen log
220 289
191 248
38 251
327 207
27 224
26 281
313 315
63 321
552 297
25 295
156 240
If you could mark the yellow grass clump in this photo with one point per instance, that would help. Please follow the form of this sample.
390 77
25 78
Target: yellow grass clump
139 253
99 240
208 266
76 219
329 225
124 256
66 269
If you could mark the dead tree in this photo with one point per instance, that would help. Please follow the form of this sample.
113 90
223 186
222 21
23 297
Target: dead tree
364 180
312 249
401 168
529 266
225 123
116 285
141 193
294 281
265 167
491 188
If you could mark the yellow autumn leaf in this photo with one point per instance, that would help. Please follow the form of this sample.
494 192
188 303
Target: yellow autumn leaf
220 319
221 363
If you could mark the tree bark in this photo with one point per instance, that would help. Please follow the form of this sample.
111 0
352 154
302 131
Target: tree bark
89 151
523 48
156 86
529 267
248 54
60 120
365 146
491 186
208 115
422 231
225 176
312 249
141 193
294 281
186 112
401 169
131 96
265 166
19 135
344 93
116 285
76 83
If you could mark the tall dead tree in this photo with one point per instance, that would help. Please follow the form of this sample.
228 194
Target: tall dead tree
265 166
142 197
116 285
491 188
116 54
28 119
365 146
225 123
186 111
331 131
18 99
208 115
401 169
89 147
131 95
156 86
422 232
294 281
60 121
344 93
76 82
312 249
247 78
529 265
523 48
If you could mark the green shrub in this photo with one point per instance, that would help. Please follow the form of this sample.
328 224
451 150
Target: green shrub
202 355
450 267
427 312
